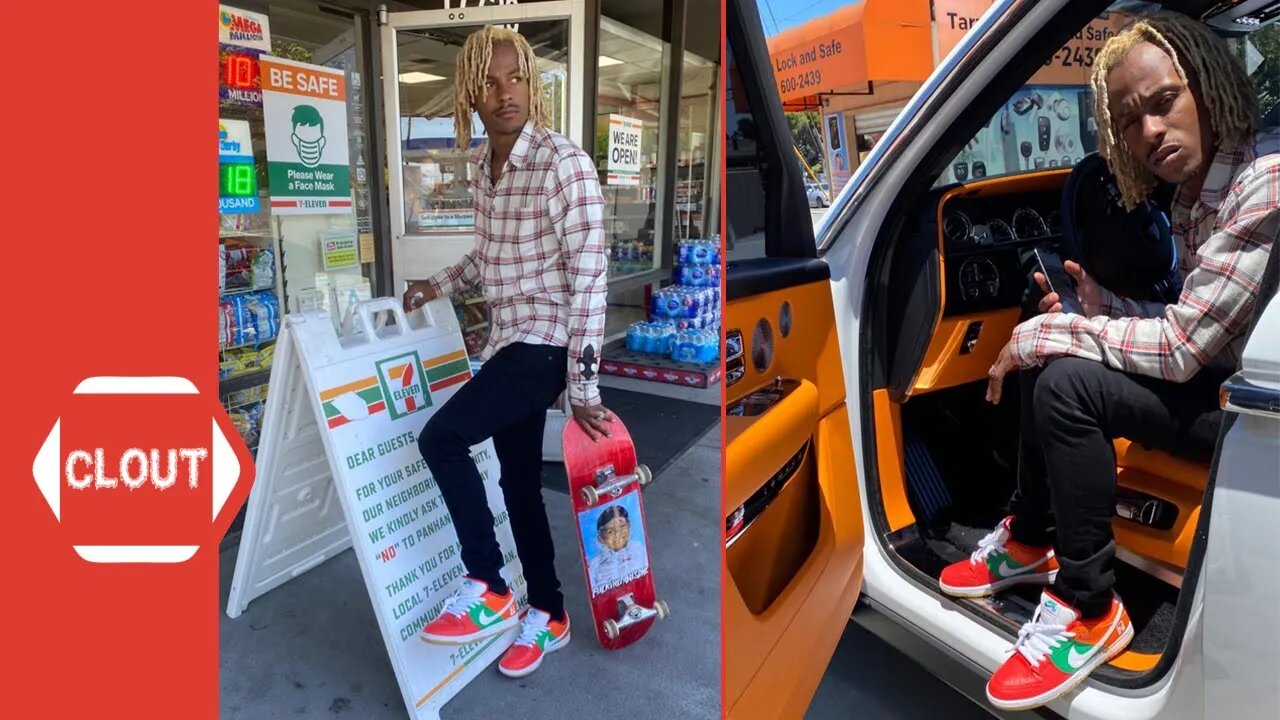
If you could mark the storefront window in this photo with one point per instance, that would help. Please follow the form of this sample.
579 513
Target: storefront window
697 89
1041 127
626 144
436 176
273 260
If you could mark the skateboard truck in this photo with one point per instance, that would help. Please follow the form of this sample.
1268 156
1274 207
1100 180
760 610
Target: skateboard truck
630 613
607 483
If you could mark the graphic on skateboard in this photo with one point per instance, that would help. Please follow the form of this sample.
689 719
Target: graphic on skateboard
604 486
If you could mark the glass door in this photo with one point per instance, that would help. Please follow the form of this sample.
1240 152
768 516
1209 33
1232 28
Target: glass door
431 216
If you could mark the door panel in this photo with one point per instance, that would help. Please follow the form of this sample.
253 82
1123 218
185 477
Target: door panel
794 535
1241 573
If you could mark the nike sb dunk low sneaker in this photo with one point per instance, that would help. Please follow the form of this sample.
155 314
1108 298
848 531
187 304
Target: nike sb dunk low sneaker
539 635
1055 652
473 613
998 563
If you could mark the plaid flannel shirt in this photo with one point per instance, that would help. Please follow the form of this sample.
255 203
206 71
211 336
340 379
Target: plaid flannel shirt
1225 235
540 253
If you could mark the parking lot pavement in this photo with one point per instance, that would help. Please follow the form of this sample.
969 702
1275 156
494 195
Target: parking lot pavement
311 648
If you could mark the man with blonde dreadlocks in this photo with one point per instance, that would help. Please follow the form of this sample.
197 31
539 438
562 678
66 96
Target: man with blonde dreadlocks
1172 104
540 257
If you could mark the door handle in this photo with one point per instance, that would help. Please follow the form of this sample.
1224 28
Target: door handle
1241 396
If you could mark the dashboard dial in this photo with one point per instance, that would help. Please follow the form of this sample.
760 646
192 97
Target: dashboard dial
1000 231
1028 225
1054 221
956 227
979 279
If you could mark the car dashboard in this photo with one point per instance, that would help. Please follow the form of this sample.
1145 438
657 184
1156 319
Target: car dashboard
987 232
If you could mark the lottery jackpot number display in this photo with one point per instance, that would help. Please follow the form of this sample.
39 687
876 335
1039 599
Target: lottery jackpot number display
240 71
238 180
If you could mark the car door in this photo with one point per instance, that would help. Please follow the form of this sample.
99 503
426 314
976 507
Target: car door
1240 556
794 530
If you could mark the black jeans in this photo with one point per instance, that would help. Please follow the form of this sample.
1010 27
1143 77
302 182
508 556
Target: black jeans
1071 411
507 401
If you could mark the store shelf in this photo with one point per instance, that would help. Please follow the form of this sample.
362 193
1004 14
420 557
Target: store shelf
242 291
237 383
244 404
254 344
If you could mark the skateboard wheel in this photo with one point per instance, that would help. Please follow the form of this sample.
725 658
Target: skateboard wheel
664 612
590 496
645 475
611 629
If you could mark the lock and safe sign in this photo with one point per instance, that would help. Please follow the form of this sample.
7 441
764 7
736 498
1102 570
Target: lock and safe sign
136 469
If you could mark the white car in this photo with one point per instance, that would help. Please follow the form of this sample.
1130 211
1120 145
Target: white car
860 457
819 196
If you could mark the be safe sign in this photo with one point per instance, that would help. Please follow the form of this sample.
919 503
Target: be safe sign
305 113
624 150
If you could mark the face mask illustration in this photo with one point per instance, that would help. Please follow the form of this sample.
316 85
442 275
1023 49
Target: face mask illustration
309 141
308 134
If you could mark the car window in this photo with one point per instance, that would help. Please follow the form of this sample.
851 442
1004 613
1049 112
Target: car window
1048 123
744 191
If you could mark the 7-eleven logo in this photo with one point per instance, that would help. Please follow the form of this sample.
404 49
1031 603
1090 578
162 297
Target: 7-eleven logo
404 385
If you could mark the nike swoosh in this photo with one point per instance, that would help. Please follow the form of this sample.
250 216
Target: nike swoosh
487 617
1077 659
1004 570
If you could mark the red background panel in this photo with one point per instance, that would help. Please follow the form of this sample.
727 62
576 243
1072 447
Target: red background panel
110 224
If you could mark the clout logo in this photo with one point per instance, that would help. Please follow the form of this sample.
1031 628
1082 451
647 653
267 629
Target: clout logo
134 466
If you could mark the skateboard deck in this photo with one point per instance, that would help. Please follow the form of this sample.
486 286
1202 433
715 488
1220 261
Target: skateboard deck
604 487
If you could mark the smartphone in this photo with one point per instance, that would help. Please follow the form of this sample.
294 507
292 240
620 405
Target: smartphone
1059 281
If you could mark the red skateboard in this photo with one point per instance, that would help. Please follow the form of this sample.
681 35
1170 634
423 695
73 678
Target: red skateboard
604 485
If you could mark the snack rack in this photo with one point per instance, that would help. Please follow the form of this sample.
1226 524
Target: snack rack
251 311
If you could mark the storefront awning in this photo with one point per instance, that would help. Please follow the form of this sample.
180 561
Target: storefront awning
851 49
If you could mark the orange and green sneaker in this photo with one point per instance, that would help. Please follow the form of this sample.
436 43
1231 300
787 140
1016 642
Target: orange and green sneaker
473 613
1055 652
998 563
539 635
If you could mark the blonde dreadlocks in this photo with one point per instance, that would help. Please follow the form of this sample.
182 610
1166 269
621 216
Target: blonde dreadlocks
1224 91
473 65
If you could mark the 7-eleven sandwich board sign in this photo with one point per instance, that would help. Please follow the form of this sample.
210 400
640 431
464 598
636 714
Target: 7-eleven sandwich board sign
338 467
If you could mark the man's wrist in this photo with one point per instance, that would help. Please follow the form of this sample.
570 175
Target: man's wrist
584 394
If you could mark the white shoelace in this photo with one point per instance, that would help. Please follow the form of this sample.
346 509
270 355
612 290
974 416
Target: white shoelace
1036 639
461 604
529 632
992 543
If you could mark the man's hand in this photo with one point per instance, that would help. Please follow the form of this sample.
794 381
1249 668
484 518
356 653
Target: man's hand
594 420
995 376
1087 289
417 295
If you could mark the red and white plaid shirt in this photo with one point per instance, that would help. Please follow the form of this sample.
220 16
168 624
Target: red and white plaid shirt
1225 237
540 253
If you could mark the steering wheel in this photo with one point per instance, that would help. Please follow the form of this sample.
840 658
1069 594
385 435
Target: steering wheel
1130 252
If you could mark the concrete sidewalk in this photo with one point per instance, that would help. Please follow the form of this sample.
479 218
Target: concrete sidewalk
311 648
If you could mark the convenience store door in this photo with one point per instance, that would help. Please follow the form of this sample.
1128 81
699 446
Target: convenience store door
431 218
432 225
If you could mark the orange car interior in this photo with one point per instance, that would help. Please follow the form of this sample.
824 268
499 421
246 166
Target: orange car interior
794 529
977 301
